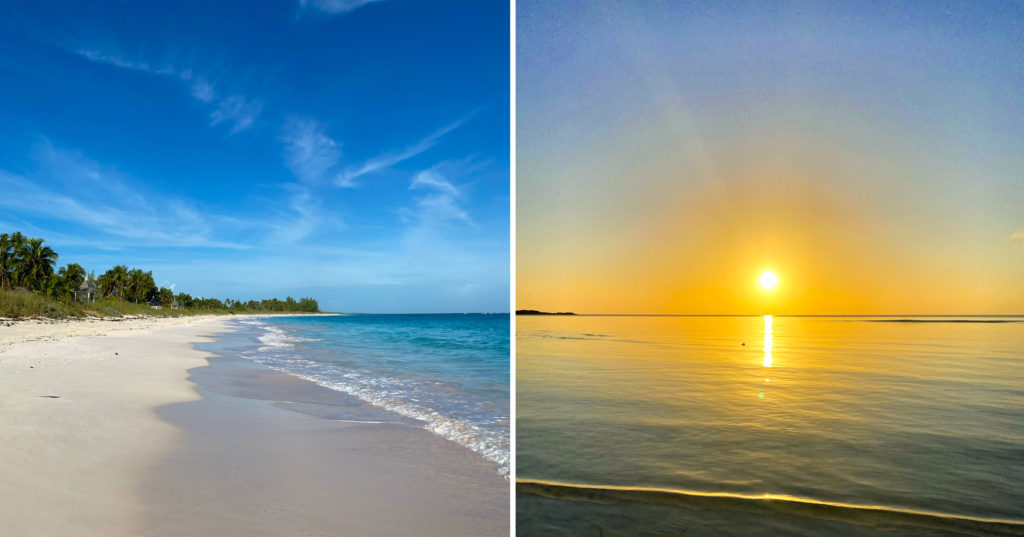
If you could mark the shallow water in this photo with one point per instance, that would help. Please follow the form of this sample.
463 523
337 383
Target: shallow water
449 373
906 416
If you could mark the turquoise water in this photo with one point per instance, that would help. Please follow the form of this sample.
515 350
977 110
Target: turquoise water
655 425
450 372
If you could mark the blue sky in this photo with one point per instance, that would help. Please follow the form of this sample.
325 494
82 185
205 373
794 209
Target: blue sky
354 151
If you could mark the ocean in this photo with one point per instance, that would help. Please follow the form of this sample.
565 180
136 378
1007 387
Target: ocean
671 425
446 372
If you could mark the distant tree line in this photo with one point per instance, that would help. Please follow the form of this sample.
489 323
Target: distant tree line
307 305
27 263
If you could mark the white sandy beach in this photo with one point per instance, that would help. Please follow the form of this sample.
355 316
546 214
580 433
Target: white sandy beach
85 451
70 464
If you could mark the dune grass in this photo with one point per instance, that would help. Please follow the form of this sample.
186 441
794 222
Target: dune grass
14 305
20 305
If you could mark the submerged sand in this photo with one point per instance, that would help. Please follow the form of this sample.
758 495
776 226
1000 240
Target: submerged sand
105 434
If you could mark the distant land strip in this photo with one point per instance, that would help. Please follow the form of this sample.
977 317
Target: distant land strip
771 504
538 312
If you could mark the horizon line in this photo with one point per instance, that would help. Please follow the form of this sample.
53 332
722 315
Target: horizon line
788 314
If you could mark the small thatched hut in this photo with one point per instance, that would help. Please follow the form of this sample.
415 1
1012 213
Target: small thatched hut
85 292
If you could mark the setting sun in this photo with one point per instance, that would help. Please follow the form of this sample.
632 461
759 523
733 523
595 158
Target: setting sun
769 280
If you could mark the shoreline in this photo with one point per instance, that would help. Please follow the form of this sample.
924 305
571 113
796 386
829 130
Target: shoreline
880 516
285 349
144 441
47 329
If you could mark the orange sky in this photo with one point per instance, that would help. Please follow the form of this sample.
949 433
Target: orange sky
667 156
845 234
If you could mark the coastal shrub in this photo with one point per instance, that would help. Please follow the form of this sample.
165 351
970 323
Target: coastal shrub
23 304
121 308
20 305
16 305
111 311
55 311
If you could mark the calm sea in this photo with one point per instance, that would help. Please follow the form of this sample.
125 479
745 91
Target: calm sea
450 372
639 425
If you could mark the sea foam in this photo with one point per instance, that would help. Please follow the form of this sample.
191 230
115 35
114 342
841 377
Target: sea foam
462 420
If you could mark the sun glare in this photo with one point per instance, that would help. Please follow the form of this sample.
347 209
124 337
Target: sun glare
769 280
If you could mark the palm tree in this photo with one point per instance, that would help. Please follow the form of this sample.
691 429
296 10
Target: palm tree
141 285
17 243
6 260
115 279
73 274
185 300
35 263
166 296
10 258
53 286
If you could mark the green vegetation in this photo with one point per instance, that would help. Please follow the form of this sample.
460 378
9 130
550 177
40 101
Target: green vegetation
15 304
29 287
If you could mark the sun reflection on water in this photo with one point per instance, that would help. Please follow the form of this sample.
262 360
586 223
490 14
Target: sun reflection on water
767 341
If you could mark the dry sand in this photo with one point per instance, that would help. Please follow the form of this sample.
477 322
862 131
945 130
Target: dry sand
130 446
22 330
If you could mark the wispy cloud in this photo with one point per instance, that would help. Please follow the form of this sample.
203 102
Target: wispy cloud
238 111
99 199
1018 237
235 110
309 151
202 90
347 178
304 218
434 180
334 7
127 62
115 60
443 200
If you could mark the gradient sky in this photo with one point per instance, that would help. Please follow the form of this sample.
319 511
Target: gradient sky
871 154
351 150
